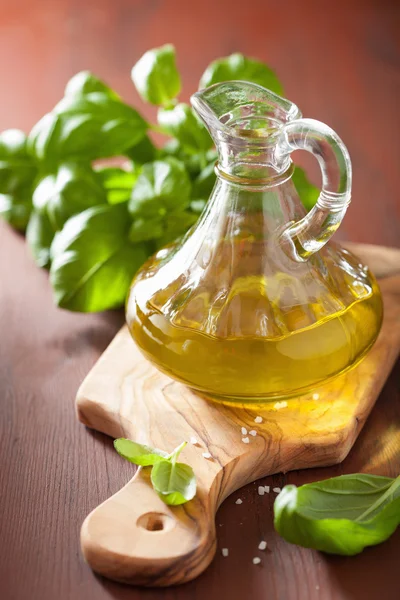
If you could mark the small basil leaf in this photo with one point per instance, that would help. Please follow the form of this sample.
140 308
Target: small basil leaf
39 236
174 482
204 183
240 67
163 186
143 152
156 77
92 260
176 225
181 122
73 188
43 139
138 454
308 192
341 515
85 82
17 169
117 182
16 209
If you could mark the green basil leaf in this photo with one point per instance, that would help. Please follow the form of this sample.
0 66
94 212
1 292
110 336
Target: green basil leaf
204 183
92 260
156 77
16 209
117 182
139 454
39 236
240 67
181 122
86 127
73 188
143 230
308 192
17 169
163 186
85 82
341 515
143 152
174 482
176 225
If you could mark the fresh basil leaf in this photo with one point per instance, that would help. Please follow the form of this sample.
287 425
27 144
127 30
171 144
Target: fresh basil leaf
156 77
308 192
139 454
143 152
39 236
117 182
240 67
85 82
204 183
73 188
341 515
163 186
93 261
181 122
17 169
176 225
16 209
146 229
174 482
86 127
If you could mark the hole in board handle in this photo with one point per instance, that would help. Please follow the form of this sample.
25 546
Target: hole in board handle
155 521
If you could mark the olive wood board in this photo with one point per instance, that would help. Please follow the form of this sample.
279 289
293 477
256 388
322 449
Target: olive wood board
133 536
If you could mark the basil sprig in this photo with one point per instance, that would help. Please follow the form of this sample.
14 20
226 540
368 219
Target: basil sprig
174 482
342 515
94 224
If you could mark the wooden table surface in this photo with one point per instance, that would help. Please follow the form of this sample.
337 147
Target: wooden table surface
339 62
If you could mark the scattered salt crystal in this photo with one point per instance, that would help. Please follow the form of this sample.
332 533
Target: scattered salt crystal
245 440
244 431
256 560
253 432
258 420
277 490
262 545
266 488
279 405
315 396
239 501
193 441
225 552
206 455
261 490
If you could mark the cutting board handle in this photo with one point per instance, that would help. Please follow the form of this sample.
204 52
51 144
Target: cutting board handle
135 537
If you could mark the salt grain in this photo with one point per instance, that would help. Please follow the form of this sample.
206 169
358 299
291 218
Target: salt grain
256 560
261 490
315 396
258 420
266 488
277 490
253 432
206 455
225 552
245 440
194 441
239 501
262 545
244 431
279 405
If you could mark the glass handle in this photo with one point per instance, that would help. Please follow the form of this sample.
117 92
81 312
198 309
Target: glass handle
304 237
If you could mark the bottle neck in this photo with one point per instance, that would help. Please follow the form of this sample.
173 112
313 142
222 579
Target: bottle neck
253 177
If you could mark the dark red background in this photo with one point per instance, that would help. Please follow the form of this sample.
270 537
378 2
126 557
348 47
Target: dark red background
339 61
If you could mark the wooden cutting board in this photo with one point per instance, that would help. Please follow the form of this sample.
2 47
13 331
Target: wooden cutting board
134 537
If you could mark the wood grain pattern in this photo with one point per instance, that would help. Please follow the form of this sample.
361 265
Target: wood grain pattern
133 536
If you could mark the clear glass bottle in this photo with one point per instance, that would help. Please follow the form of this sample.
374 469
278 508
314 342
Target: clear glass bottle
253 304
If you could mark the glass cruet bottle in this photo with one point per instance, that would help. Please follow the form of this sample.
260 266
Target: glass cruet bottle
253 304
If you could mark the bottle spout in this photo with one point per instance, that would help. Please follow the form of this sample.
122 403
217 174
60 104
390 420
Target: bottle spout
240 109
